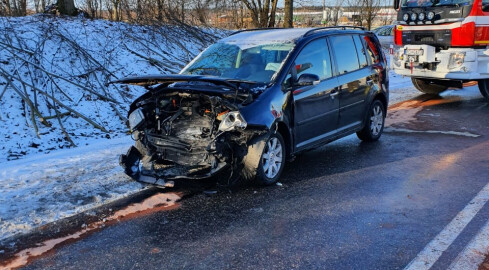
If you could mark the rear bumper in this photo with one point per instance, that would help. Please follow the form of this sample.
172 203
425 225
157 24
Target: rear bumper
475 65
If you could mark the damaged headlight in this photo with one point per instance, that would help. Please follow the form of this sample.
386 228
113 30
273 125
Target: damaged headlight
136 118
232 120
456 60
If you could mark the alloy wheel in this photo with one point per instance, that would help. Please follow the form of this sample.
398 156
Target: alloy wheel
272 157
376 120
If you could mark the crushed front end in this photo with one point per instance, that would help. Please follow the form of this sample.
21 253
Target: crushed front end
181 132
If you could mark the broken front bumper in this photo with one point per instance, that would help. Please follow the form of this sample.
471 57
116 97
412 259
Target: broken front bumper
142 169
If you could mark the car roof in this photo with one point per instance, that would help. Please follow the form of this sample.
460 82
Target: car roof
285 35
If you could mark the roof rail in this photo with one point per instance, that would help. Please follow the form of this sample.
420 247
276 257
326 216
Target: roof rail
344 27
254 29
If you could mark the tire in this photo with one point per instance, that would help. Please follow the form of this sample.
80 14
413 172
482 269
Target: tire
374 125
484 88
268 173
427 86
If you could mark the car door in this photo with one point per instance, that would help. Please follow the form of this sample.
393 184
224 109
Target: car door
315 106
355 79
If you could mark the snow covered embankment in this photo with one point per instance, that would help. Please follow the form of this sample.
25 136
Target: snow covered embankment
54 74
53 95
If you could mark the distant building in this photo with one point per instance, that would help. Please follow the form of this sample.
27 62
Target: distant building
302 17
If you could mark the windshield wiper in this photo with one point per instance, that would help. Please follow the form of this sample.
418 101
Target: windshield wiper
447 4
240 81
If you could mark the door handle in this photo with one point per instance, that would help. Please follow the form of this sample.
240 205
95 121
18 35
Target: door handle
334 93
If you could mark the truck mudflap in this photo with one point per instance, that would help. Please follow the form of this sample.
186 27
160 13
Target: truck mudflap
452 64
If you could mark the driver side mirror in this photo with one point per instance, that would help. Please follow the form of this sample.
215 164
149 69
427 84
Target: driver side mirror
308 79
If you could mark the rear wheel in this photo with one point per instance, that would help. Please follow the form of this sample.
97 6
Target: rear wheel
272 160
428 86
375 122
484 88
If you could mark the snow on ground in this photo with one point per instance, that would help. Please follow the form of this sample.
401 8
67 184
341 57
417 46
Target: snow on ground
44 188
39 188
401 88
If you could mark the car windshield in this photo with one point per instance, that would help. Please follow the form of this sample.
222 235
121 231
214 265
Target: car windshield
249 61
433 3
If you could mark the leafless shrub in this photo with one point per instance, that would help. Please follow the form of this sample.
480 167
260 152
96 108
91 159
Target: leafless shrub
47 90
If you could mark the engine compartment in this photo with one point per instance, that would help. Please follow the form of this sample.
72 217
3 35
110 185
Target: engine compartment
180 136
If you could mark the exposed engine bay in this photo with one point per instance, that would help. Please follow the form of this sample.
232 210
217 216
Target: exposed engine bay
188 135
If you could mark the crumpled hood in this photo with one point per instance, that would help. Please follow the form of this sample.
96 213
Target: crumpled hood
168 79
227 88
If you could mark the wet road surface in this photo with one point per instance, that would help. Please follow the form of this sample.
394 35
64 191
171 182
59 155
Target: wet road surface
346 205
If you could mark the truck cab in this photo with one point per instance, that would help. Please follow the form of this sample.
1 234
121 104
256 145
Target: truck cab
442 43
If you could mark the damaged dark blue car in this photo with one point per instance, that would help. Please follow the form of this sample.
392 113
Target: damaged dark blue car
253 100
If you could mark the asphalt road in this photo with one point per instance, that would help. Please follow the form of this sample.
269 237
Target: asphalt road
346 205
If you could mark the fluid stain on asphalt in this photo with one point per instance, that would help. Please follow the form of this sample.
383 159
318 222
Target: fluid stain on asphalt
406 111
155 203
446 161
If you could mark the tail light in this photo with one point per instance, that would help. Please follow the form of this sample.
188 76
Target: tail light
398 35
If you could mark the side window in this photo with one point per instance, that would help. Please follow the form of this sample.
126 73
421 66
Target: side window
372 50
362 58
314 59
485 6
381 31
385 31
345 52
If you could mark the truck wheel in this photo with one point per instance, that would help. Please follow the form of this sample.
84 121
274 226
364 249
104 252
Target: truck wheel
484 88
428 86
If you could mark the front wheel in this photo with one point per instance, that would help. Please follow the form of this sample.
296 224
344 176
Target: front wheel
272 160
375 122
484 88
428 86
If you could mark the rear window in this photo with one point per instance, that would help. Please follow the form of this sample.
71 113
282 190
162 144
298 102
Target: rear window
345 52
373 51
362 57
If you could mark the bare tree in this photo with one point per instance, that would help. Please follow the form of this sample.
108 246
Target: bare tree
66 7
13 7
364 11
288 13
262 12
91 8
371 10
335 12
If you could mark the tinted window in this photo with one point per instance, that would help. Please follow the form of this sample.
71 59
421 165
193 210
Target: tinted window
345 52
362 58
372 50
314 59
